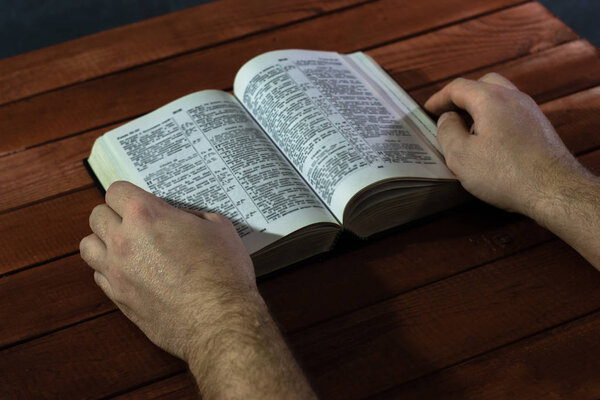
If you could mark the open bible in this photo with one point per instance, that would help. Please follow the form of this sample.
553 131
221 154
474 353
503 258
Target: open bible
310 143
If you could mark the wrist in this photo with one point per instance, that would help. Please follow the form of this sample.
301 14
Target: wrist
236 320
560 193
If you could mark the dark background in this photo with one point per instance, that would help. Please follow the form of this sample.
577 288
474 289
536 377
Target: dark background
30 24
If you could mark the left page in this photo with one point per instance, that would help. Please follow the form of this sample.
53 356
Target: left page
205 152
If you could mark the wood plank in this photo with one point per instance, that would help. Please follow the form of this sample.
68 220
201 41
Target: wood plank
26 178
39 300
377 347
90 360
92 104
576 124
531 73
46 230
562 363
484 41
165 36
352 356
463 239
47 170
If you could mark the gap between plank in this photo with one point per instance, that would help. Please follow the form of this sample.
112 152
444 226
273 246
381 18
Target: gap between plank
62 328
54 196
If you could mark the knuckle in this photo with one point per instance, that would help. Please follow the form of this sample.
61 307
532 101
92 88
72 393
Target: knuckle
459 81
94 215
456 84
451 162
87 251
84 247
485 96
114 188
139 209
454 160
121 244
493 75
221 219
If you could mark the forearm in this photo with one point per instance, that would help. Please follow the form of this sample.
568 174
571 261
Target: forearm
245 357
572 212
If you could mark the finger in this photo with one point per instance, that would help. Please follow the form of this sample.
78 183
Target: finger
104 284
104 220
460 93
121 193
452 133
128 312
93 251
497 79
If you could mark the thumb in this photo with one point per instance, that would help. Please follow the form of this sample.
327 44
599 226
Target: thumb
452 133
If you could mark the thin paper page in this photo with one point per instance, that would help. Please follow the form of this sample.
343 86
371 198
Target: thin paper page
205 152
330 123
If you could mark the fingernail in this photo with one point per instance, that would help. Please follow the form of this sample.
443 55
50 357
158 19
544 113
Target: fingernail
441 119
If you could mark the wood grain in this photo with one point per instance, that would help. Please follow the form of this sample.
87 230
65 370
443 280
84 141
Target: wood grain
43 299
573 117
90 360
561 363
577 61
93 104
484 41
107 52
46 230
448 321
465 294
48 170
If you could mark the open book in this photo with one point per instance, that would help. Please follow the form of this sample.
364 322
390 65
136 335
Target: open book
312 143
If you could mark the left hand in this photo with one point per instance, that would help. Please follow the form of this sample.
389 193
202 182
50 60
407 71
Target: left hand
180 277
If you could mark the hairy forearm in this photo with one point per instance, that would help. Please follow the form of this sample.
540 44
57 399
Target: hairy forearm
244 356
572 212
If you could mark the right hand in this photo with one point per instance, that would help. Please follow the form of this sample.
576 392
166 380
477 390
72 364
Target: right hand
514 159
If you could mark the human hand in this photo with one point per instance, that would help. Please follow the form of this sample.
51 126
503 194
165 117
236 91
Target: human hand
514 159
179 277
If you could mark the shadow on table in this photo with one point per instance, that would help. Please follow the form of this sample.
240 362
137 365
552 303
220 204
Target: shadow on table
357 319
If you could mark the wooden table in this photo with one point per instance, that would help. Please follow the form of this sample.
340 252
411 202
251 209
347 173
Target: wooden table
473 303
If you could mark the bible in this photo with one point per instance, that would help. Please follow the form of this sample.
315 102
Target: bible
310 143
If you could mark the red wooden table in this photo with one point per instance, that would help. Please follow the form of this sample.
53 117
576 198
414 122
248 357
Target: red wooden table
473 303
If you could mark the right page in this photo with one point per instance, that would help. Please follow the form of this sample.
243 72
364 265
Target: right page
334 124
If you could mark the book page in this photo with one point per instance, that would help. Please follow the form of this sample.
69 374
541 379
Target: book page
204 152
332 125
